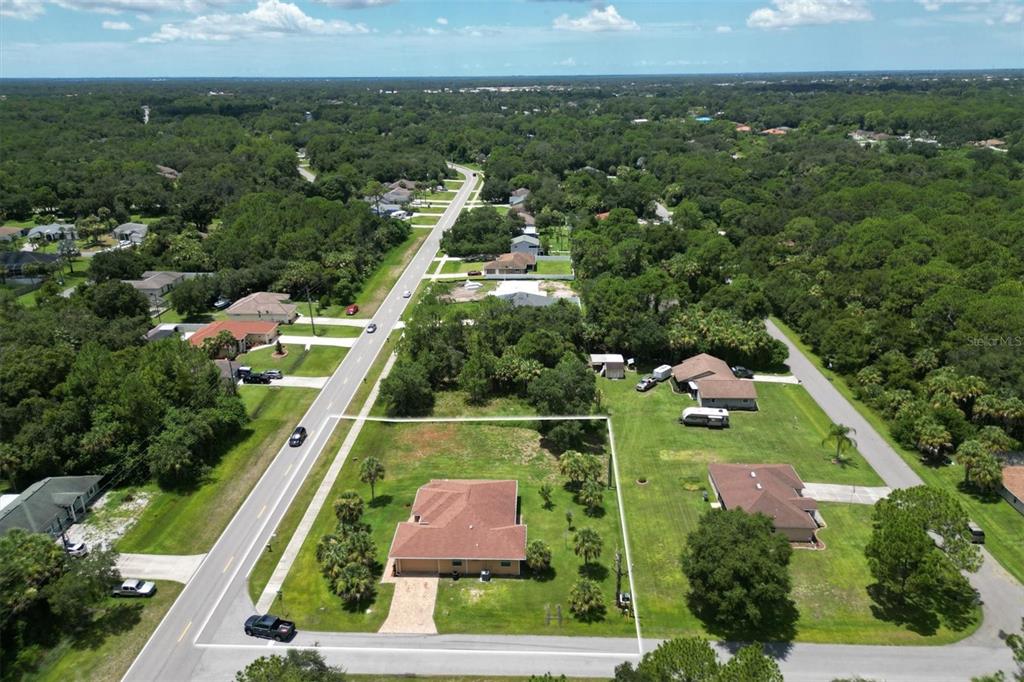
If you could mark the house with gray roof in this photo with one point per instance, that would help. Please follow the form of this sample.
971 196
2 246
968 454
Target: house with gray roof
155 283
523 298
525 243
51 232
131 232
26 264
50 505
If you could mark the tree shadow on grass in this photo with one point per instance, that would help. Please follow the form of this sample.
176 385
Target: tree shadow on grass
952 603
977 495
595 513
593 616
779 626
543 575
115 620
594 571
381 501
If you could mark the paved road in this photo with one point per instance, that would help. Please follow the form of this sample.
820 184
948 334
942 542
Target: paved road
211 598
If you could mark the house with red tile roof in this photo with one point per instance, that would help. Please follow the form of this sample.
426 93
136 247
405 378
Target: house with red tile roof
774 490
246 333
461 525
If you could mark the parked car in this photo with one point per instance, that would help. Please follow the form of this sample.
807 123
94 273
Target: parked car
76 548
134 587
406 294
742 372
273 374
298 436
977 534
646 384
269 626
352 309
243 371
371 328
222 303
474 273
256 378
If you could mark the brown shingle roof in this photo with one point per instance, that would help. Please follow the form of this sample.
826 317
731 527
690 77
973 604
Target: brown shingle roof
518 261
773 490
1013 480
239 329
700 367
462 519
726 388
263 303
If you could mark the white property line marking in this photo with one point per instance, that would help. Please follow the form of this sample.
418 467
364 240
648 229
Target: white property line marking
423 651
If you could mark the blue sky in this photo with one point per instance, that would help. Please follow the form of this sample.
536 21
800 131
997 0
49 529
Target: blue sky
280 38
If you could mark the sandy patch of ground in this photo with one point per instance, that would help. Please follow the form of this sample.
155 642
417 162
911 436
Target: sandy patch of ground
111 517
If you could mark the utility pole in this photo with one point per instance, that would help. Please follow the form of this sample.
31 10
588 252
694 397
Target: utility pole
309 301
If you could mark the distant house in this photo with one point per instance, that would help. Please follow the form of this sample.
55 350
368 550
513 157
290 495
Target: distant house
742 128
518 196
781 130
398 196
247 334
131 232
1012 489
774 490
511 264
612 365
50 505
27 264
402 184
8 234
524 298
530 229
525 243
464 526
167 173
50 233
711 383
155 283
602 216
264 305
528 220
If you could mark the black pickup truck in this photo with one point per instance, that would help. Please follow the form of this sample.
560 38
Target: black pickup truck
269 627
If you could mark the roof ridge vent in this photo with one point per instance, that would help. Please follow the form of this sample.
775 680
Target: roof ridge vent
753 474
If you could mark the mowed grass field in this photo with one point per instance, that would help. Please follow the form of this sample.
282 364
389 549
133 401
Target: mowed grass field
413 454
830 587
334 331
189 522
318 361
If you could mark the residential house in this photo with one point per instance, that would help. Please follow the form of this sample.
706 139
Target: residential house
50 233
246 333
602 216
27 264
711 383
697 367
167 173
774 490
524 298
399 196
742 128
781 130
50 505
518 196
9 234
463 526
131 232
1012 488
155 283
264 305
525 243
612 365
511 264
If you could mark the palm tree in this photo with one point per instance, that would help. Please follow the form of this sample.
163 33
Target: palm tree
839 434
371 471
591 495
969 454
585 600
588 544
354 583
348 508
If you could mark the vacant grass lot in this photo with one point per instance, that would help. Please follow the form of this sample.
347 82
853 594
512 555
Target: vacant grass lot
554 267
425 220
453 184
1004 527
447 195
172 316
108 649
461 266
830 586
437 210
318 361
189 522
334 331
413 454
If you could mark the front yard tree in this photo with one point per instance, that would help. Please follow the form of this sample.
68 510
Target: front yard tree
588 544
348 508
586 601
296 666
406 390
355 584
359 547
738 569
545 492
682 658
750 663
579 467
839 436
538 556
371 471
591 496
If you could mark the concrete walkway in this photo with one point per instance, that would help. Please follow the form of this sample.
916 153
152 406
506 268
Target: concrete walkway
334 321
178 568
319 341
850 494
776 379
306 524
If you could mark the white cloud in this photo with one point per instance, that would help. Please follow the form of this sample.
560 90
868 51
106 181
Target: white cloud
934 5
787 13
597 19
270 19
21 9
356 4
1013 14
442 21
723 29
117 25
568 61
143 6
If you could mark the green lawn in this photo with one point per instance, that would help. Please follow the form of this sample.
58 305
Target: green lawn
558 238
425 220
447 195
438 210
383 279
189 522
318 361
673 459
554 267
172 316
1003 525
462 266
334 331
414 454
453 184
453 404
107 651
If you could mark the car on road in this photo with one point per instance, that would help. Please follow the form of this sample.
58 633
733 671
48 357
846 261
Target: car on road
298 436
742 372
406 294
474 273
256 378
646 384
269 626
76 548
273 374
221 303
371 328
133 587
352 309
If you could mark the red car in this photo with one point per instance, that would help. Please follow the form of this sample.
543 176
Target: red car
352 309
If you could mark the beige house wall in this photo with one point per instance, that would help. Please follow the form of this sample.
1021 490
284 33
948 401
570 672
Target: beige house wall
447 566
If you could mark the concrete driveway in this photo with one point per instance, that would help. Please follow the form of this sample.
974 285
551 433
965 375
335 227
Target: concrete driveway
776 378
412 607
176 567
851 494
